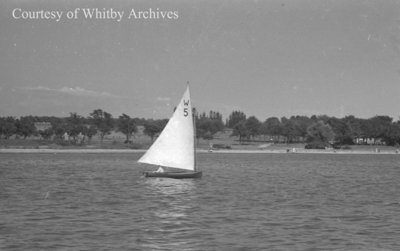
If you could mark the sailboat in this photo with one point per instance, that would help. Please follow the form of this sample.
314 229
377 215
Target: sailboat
174 148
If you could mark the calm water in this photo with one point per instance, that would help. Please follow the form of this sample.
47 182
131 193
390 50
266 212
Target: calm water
243 202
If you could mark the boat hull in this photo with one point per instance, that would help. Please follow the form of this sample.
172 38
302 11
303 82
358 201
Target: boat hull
173 175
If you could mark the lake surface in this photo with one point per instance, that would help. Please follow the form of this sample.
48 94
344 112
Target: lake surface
81 201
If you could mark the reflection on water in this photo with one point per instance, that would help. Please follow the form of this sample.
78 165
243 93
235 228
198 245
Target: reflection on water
175 196
172 203
176 193
170 186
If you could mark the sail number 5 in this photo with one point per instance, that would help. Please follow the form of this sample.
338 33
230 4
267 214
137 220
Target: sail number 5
186 109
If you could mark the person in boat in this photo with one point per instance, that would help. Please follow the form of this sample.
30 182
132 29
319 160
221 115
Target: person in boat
160 170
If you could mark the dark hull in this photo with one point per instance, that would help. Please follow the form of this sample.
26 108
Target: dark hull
174 175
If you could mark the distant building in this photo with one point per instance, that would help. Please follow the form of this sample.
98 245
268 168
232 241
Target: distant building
369 141
65 136
42 126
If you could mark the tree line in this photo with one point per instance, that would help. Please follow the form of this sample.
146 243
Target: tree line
77 128
317 131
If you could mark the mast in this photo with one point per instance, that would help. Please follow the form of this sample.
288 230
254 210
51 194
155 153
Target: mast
194 135
194 141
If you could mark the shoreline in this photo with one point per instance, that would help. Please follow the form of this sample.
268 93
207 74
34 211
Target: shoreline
234 151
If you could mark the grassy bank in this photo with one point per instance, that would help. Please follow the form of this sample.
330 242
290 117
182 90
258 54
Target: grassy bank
32 145
140 142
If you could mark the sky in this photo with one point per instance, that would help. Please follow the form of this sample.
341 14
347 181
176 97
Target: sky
265 58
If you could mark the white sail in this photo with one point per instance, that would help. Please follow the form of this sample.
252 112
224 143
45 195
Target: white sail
175 145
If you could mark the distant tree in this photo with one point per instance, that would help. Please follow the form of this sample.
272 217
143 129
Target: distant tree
209 125
60 129
342 131
374 128
380 125
203 126
234 118
127 126
263 130
216 116
240 130
253 125
200 133
89 132
271 127
288 129
162 123
152 128
300 123
392 135
208 136
320 133
7 127
103 122
25 126
46 134
75 127
354 126
314 118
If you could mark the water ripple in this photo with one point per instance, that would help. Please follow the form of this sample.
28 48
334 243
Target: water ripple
243 202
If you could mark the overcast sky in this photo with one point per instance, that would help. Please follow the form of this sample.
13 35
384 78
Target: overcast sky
265 58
